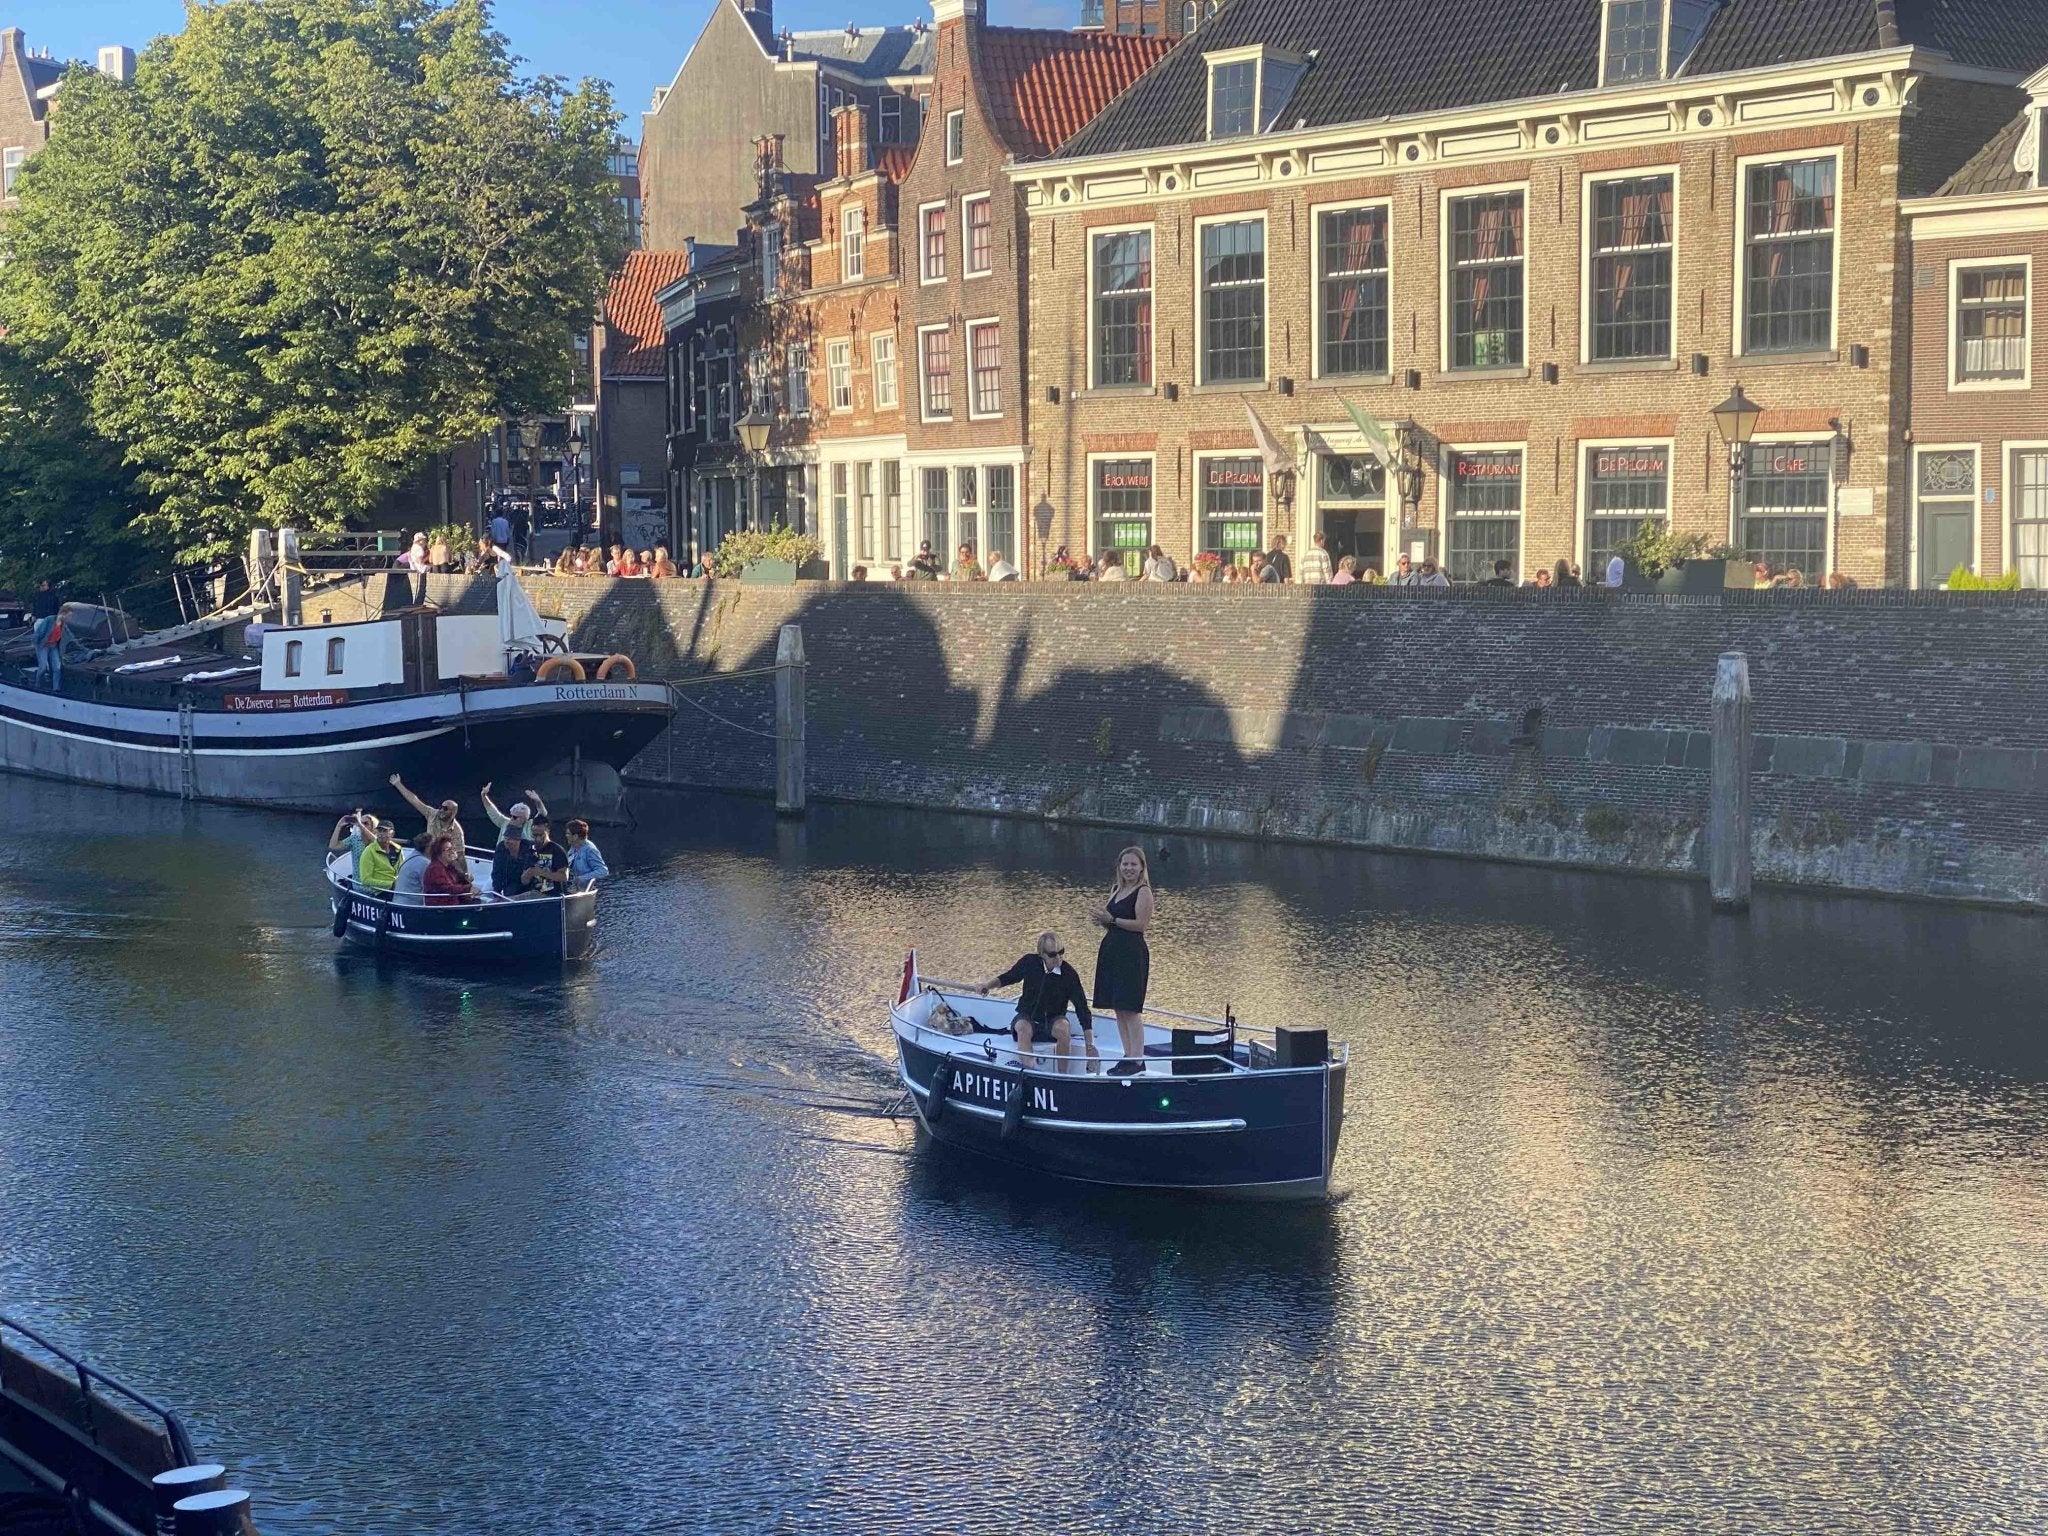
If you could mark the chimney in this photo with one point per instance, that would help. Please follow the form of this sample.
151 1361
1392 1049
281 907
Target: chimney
762 13
850 134
10 44
118 64
944 11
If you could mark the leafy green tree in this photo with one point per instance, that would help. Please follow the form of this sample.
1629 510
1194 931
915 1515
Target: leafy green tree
313 242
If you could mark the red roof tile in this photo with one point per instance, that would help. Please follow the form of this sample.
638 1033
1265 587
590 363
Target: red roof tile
632 318
893 161
1044 87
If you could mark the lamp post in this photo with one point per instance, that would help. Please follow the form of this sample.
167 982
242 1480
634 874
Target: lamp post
529 439
1736 417
755 429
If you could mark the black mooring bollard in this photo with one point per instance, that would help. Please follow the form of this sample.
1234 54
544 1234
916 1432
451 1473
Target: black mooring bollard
182 1483
224 1512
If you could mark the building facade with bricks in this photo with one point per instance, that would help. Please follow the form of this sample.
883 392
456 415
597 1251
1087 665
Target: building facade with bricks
1001 97
1979 418
743 81
1469 280
630 453
29 86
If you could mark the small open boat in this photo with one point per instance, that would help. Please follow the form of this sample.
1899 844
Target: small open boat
1219 1109
525 930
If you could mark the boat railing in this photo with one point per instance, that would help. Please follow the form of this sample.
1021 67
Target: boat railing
383 898
1340 1052
104 1433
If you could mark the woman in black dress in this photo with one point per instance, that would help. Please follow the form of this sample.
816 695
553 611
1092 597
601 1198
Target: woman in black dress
1124 964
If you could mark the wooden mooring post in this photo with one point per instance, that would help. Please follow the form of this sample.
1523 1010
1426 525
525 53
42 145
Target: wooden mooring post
1728 862
789 721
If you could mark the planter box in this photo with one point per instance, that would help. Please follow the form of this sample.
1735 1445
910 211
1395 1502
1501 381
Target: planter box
769 573
814 569
1716 576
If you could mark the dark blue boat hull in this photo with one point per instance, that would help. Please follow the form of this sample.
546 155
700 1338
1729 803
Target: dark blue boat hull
530 931
1259 1135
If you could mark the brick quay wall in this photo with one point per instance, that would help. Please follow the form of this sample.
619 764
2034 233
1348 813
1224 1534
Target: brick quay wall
1902 738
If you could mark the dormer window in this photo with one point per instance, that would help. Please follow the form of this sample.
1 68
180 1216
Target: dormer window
1649 39
1634 48
1249 89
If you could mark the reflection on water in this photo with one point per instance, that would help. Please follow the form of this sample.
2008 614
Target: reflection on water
1651 1221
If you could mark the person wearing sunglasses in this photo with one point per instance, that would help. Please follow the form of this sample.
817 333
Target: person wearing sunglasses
1050 989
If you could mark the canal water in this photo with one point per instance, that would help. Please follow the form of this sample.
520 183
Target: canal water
1651 1222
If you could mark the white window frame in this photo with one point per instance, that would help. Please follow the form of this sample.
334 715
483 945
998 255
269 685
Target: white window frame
980 323
1739 299
1447 289
839 375
1315 226
968 270
953 382
2008 451
1088 321
1259 55
889 100
1587 182
1663 50
955 129
12 160
1958 385
1976 452
875 339
1094 512
1765 440
1259 216
1447 452
771 258
1580 540
924 275
853 234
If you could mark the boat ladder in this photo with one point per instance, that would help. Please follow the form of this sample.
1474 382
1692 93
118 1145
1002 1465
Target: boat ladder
188 765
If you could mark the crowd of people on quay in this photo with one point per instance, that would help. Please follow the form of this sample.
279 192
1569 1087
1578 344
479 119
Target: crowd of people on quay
432 869
1268 567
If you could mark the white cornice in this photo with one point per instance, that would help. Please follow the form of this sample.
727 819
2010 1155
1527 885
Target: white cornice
1859 87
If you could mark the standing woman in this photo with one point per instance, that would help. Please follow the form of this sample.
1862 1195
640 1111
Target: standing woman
1123 965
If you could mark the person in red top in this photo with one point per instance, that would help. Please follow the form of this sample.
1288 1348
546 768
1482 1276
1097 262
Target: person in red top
447 879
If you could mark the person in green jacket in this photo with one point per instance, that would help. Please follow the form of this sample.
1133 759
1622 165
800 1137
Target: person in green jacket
378 867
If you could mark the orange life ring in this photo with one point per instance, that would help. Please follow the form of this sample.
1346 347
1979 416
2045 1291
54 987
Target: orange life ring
613 664
554 666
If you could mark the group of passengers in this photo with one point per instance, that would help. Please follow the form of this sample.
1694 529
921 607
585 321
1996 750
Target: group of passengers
433 869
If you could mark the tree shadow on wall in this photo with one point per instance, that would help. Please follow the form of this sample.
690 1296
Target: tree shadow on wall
892 717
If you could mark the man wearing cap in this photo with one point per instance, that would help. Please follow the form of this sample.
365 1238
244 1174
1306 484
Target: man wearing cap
924 565
378 867
547 872
519 816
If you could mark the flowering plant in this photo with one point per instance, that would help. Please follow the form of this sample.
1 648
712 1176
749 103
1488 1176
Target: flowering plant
1208 562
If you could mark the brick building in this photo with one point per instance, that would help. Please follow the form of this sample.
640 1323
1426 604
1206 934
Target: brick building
744 81
630 454
29 84
1147 18
1469 279
1979 465
1001 97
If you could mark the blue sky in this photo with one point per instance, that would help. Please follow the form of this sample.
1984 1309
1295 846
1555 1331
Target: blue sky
635 44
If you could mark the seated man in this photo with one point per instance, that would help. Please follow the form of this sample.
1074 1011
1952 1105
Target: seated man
1050 988
410 889
440 819
510 861
378 867
586 863
547 871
